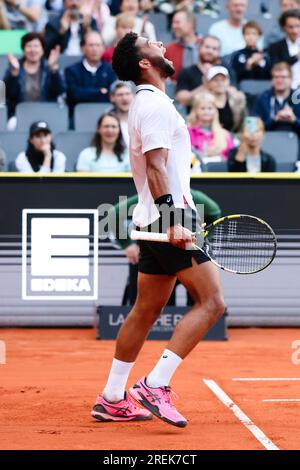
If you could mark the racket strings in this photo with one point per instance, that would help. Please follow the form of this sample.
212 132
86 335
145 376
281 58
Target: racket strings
242 245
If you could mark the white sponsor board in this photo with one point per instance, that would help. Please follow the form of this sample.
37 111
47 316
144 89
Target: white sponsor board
59 254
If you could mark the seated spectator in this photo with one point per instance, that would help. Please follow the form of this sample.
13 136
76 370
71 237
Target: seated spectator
89 81
121 96
208 137
183 52
40 155
2 160
251 63
96 9
249 157
288 49
277 34
230 102
276 107
230 31
190 79
31 78
22 14
108 151
124 24
142 26
67 29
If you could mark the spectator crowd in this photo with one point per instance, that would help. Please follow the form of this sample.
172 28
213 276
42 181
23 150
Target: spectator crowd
237 79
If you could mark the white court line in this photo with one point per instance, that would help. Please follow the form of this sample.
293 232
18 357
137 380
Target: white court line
258 379
278 400
226 400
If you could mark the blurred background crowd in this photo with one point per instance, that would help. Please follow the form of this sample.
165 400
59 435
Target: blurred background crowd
236 83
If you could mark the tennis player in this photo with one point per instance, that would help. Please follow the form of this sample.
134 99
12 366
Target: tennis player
160 153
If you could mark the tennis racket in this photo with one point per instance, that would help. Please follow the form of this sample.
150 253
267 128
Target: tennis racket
240 244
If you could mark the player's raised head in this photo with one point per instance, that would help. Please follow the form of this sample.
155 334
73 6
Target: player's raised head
136 58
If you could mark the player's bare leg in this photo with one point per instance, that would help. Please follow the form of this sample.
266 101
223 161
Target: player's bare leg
204 285
153 294
153 392
113 404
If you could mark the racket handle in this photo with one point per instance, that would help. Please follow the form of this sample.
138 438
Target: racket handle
149 236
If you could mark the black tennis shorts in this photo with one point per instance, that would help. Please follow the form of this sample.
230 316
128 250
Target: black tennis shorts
164 258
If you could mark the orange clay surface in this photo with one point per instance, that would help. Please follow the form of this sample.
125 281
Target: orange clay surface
51 379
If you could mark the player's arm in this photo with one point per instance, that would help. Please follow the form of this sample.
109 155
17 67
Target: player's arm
157 177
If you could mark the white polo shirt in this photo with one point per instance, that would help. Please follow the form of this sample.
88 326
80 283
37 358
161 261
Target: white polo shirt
154 123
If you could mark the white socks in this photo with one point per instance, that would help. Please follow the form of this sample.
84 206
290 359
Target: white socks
160 376
115 388
162 373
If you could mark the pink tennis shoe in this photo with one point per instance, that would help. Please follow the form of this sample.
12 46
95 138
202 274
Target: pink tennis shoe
124 410
158 401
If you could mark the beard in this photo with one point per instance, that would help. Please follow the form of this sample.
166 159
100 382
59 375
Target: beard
164 66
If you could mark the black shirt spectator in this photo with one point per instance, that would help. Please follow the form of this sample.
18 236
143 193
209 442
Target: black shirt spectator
249 156
191 78
268 164
251 63
261 71
68 28
89 81
226 116
32 78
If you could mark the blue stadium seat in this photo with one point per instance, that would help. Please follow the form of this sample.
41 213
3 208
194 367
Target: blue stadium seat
57 117
159 21
3 118
284 147
65 61
170 88
87 114
216 167
255 87
3 65
13 143
203 23
71 143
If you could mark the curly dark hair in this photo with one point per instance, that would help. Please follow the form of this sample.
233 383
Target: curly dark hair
126 57
119 146
286 15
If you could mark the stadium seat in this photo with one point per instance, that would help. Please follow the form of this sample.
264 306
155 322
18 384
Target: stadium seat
71 143
3 65
215 167
87 114
56 116
65 61
159 21
203 23
13 143
3 118
252 89
283 146
165 37
255 87
170 88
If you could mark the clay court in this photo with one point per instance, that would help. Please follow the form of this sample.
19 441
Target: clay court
51 379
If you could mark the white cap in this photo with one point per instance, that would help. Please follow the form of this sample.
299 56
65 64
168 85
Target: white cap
217 70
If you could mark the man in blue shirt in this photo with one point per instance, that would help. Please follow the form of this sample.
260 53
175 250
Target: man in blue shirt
89 80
